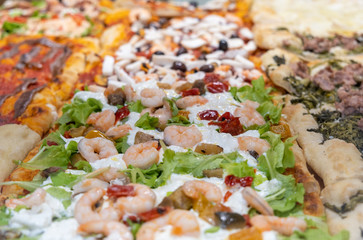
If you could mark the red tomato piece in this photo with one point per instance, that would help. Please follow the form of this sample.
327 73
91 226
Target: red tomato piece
191 92
217 87
122 113
232 180
120 191
227 196
208 115
211 77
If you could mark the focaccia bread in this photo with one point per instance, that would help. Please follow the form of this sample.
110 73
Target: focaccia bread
15 143
344 208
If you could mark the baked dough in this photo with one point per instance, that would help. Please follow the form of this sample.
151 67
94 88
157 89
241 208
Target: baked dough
332 160
338 194
15 143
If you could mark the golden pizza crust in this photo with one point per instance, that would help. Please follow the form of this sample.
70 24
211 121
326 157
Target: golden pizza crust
332 160
270 38
337 194
15 143
312 202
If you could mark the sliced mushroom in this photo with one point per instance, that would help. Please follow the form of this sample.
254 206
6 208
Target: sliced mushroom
200 85
77 132
230 220
118 97
178 199
208 149
183 86
142 137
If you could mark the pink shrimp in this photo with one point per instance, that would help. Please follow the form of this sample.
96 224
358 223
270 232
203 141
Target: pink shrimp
190 101
252 143
119 131
102 120
142 155
186 137
285 226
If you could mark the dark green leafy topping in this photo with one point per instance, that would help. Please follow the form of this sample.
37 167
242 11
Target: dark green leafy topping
310 94
333 125
147 122
348 206
279 60
76 113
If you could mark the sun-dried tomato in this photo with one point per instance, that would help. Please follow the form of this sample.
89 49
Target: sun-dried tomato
208 115
147 54
120 191
154 213
191 92
232 127
211 77
232 180
67 134
122 113
228 124
217 87
225 116
227 196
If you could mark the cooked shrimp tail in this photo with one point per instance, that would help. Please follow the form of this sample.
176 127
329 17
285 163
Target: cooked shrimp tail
256 201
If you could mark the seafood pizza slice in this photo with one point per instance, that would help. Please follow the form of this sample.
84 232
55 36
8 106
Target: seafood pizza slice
185 142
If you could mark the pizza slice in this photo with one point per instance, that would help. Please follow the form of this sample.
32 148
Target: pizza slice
319 29
324 110
186 125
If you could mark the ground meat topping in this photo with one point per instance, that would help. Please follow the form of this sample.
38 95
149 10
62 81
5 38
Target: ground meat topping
351 100
323 79
301 69
324 44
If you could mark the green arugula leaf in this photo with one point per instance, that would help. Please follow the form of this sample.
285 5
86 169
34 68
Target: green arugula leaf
39 15
30 186
240 169
54 137
121 144
212 229
173 107
39 3
134 227
77 112
270 112
286 198
147 122
65 179
178 162
49 156
256 93
274 162
179 120
4 216
313 234
83 165
12 27
61 194
135 106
